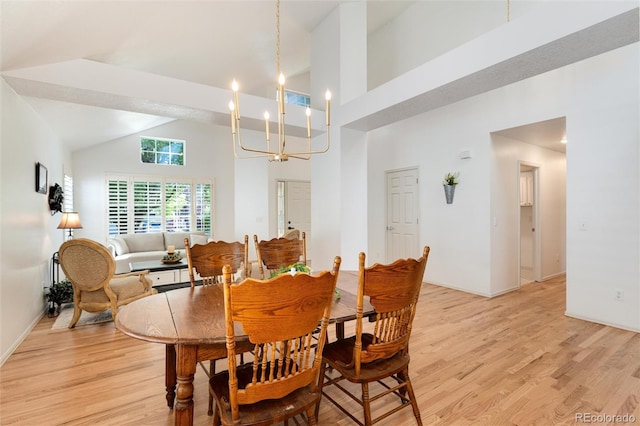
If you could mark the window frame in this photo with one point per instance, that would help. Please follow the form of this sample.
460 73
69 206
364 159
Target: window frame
157 153
126 212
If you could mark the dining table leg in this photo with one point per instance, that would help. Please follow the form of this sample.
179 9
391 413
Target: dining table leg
170 373
186 369
339 330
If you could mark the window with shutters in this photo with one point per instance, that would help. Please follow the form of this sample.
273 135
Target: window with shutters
67 188
157 204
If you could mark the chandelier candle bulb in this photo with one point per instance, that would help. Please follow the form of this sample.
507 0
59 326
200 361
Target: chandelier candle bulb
234 87
266 123
308 112
328 98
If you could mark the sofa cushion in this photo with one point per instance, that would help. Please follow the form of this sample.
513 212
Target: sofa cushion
177 238
122 262
152 241
198 239
120 246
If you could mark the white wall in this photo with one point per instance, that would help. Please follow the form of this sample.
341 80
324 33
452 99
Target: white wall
603 189
457 233
326 179
245 189
426 30
208 155
599 97
28 234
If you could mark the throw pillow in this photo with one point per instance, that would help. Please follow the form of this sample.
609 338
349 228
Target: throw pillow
198 239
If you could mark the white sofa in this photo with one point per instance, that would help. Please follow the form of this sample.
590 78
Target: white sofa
127 248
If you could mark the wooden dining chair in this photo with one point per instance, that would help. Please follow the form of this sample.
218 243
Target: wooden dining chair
279 252
278 316
383 355
208 261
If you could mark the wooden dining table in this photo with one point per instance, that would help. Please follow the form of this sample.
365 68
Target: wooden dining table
190 322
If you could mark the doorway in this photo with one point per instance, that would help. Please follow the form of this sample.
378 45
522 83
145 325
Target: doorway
402 214
294 208
529 247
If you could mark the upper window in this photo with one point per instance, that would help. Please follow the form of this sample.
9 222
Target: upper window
162 151
295 98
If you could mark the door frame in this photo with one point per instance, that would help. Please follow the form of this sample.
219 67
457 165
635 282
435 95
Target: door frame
537 241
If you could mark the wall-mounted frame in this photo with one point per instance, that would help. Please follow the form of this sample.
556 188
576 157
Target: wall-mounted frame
41 178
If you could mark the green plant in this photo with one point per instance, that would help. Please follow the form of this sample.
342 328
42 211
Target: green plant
59 293
173 256
297 267
451 179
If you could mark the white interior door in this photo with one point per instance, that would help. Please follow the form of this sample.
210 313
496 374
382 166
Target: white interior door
402 214
297 208
529 259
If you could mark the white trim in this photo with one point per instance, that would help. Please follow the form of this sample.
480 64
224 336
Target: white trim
597 321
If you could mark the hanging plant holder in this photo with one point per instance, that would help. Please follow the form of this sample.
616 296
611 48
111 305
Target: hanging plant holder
449 183
449 190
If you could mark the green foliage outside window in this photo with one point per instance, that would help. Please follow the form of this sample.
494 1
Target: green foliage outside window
162 151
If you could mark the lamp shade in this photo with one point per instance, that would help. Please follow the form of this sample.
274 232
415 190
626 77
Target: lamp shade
70 220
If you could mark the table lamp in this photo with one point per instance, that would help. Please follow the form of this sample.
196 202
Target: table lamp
70 220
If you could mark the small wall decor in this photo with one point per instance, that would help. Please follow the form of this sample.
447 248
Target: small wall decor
56 197
449 183
41 178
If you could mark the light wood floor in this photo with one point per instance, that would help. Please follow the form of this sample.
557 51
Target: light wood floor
514 359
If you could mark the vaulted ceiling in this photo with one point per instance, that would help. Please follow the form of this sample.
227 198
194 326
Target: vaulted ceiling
204 42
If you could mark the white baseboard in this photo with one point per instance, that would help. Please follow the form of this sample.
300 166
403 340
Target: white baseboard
23 336
609 324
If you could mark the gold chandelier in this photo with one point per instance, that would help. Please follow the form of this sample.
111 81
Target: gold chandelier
279 153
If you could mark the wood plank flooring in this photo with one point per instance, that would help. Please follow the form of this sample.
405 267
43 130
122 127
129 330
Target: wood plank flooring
511 360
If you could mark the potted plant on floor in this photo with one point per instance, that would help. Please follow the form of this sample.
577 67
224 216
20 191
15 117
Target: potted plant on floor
59 293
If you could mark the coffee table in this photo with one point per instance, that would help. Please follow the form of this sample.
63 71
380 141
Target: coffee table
163 274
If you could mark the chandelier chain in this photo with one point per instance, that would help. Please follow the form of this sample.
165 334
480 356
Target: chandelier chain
278 71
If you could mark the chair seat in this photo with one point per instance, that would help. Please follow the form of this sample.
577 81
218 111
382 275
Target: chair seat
127 287
264 412
339 354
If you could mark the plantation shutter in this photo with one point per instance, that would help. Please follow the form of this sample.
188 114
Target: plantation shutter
118 206
177 206
203 207
147 206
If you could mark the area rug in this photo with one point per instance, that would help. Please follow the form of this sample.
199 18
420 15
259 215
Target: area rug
87 318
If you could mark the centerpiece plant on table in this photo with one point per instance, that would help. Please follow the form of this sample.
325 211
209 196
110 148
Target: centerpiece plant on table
296 268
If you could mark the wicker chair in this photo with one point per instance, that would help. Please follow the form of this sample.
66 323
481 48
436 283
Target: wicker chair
383 355
279 316
279 252
91 269
292 234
